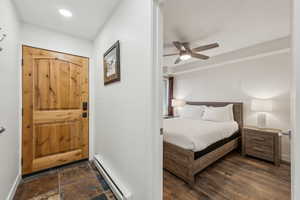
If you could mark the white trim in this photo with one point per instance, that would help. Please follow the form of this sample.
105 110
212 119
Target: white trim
91 108
156 103
13 189
114 183
286 158
20 67
233 61
295 105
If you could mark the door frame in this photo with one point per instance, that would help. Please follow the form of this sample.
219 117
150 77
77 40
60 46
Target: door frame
90 99
157 44
295 102
295 95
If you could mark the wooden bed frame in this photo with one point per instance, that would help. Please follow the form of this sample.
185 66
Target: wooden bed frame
182 162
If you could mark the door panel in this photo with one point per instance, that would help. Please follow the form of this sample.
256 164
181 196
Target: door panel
55 86
57 138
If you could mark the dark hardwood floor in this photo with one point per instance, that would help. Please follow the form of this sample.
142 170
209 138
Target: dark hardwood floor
233 178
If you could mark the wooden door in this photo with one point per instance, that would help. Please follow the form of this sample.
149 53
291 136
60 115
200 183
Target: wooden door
55 113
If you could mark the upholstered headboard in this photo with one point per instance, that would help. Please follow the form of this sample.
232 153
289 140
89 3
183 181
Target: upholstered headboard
237 109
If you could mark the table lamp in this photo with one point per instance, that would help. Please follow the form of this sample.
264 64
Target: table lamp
177 103
262 107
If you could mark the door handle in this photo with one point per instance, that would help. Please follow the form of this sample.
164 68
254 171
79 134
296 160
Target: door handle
85 106
161 131
2 129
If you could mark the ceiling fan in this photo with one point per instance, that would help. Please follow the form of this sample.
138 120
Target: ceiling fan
185 52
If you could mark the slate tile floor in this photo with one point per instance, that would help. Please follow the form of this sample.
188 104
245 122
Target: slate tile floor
79 181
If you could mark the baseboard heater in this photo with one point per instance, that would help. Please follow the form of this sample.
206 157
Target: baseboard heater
117 188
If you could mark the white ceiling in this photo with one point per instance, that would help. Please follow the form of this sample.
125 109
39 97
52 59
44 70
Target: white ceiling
88 16
235 24
264 49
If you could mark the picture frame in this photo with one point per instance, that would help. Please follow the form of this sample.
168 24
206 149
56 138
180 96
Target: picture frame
111 64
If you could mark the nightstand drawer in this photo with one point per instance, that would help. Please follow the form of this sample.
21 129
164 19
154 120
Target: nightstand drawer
260 152
259 138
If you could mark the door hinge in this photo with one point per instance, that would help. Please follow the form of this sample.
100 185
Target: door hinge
22 161
22 111
22 62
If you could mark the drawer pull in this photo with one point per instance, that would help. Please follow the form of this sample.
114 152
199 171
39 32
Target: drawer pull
259 139
258 149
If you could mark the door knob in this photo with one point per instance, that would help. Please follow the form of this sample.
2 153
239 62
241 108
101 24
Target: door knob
161 131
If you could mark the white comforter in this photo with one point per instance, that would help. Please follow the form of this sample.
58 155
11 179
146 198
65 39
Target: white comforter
196 134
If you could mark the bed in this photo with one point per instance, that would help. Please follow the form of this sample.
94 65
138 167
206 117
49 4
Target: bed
204 142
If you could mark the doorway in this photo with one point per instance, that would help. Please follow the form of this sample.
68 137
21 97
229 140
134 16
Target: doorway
197 80
55 116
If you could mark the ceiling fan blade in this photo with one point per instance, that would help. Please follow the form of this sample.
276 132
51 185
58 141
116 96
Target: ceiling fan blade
171 54
178 45
178 60
206 47
186 46
200 56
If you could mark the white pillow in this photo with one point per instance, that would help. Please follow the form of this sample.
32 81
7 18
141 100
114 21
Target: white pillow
191 112
219 114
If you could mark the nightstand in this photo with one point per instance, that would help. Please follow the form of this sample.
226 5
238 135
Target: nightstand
263 143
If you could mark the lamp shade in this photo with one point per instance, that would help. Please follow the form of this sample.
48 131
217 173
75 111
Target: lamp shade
178 103
260 105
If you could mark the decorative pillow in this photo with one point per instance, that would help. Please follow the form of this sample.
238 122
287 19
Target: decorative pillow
191 112
219 114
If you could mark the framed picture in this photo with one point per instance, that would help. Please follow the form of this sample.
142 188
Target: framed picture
111 63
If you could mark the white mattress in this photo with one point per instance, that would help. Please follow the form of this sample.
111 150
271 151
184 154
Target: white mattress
196 134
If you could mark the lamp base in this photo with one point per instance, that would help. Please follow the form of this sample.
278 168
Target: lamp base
175 111
261 120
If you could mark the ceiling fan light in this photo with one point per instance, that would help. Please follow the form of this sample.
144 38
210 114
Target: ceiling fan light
66 13
185 56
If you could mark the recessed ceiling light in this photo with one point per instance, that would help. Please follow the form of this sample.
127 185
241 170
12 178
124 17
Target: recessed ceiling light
65 13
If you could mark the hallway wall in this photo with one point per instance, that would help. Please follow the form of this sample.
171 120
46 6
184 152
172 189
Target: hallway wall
10 68
39 37
123 126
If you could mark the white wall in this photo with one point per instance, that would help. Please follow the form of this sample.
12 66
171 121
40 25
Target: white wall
36 36
268 77
123 122
39 37
9 98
